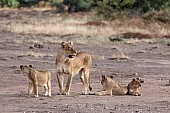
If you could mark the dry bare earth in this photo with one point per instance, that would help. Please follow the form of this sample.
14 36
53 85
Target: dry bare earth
151 61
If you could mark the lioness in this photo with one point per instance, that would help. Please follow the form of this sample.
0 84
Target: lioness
110 87
70 62
37 78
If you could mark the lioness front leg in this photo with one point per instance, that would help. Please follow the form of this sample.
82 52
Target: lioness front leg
60 83
68 85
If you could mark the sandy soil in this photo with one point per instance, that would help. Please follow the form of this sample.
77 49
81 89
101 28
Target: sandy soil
150 61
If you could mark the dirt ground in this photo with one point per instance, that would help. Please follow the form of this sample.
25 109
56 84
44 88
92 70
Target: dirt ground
149 60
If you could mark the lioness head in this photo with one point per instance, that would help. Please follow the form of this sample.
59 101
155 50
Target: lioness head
25 69
69 49
134 85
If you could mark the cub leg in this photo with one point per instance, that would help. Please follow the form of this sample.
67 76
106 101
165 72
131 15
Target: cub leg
46 90
30 88
104 93
49 88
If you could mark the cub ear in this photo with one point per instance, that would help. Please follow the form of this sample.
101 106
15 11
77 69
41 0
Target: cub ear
63 44
137 78
21 66
141 81
30 66
134 79
71 43
111 76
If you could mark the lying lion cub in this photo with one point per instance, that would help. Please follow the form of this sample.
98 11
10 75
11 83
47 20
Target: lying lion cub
110 87
37 78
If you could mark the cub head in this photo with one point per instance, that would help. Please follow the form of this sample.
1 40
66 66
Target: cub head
69 49
135 83
25 69
105 79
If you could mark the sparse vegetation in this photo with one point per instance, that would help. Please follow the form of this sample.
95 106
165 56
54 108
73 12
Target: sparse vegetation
119 55
160 41
35 54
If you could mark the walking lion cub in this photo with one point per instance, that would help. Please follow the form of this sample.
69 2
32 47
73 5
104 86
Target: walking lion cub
71 62
37 78
110 87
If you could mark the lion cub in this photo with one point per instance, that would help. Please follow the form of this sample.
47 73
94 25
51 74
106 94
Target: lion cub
133 87
37 78
110 87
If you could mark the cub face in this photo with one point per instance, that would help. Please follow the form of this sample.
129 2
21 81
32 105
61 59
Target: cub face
136 82
134 85
25 69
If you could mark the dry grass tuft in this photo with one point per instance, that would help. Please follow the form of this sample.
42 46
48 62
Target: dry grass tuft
35 54
119 55
85 25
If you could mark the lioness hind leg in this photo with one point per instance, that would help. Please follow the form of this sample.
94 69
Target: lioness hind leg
86 78
35 89
82 78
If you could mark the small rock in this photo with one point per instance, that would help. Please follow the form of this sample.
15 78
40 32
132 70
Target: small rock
31 47
96 64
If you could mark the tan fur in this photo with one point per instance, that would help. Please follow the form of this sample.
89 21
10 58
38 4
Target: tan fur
70 62
37 78
110 87
133 87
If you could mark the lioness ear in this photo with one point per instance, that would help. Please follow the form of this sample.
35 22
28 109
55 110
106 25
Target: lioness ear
21 66
111 76
63 44
71 43
30 66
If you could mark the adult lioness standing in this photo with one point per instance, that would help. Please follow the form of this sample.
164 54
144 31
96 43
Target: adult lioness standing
70 62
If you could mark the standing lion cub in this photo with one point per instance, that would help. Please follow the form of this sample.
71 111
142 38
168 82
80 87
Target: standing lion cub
37 78
110 87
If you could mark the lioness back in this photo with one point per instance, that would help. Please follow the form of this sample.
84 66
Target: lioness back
84 57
